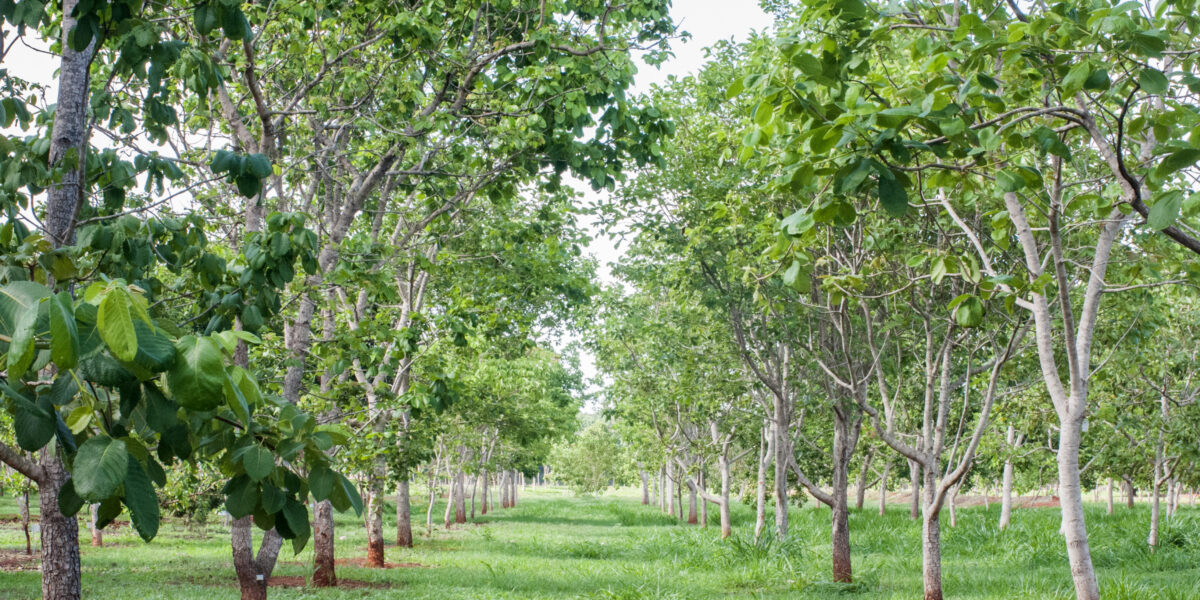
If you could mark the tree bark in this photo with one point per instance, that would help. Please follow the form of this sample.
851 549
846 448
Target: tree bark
1130 495
843 447
404 536
1071 499
97 534
931 554
23 507
1109 507
324 572
703 501
645 487
460 498
1006 492
60 534
883 488
914 505
861 492
782 460
691 518
726 526
760 490
446 519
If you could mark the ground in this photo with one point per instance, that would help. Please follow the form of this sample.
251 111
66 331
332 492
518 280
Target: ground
556 546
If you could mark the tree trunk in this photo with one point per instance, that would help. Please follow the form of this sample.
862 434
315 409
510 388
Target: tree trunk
645 487
460 498
253 572
23 506
375 556
691 518
1155 509
953 497
782 460
914 506
760 490
97 534
449 501
483 497
1071 498
474 491
842 449
60 535
1129 493
404 536
324 571
883 488
862 479
931 554
429 506
1109 508
1006 492
726 527
703 502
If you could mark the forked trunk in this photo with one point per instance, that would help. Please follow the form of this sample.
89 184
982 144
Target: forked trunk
324 570
253 572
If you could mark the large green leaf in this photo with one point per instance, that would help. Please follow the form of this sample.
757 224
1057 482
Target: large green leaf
64 335
155 351
18 299
1165 211
115 323
1176 161
259 462
33 422
141 500
892 196
99 468
20 348
198 376
69 502
161 412
297 519
321 481
241 496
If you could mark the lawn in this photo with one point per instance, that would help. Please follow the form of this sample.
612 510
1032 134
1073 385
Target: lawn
554 545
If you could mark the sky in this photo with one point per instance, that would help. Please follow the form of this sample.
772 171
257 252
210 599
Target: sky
707 22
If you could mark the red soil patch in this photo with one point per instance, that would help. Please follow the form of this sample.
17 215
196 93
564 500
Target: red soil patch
346 584
18 562
362 562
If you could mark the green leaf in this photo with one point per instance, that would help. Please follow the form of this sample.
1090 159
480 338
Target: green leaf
798 222
1076 77
241 496
206 19
1165 211
141 500
64 335
1008 181
161 412
1176 161
115 324
69 502
259 462
297 520
258 165
248 185
99 468
21 348
1153 81
197 378
893 197
33 423
272 498
969 311
320 482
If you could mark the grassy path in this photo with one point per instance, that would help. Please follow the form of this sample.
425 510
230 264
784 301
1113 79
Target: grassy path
556 546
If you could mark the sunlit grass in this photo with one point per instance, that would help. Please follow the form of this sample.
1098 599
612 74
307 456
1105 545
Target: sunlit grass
556 546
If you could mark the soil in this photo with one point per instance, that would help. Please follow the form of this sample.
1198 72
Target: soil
13 562
346 584
362 562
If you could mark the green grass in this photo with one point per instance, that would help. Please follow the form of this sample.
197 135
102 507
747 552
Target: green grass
556 546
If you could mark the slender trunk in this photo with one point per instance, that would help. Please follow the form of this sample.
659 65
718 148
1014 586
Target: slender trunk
449 502
1155 509
914 506
1071 498
931 554
883 488
691 518
953 497
23 506
1109 508
60 535
483 497
703 503
97 534
782 460
645 487
404 536
515 495
1173 498
474 491
460 498
1006 492
760 490
862 479
324 573
843 447
1129 493
429 506
375 556
726 527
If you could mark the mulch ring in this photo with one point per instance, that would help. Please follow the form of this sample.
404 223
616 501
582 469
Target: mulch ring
11 562
362 562
346 584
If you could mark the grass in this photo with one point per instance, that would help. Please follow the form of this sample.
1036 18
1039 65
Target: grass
556 546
